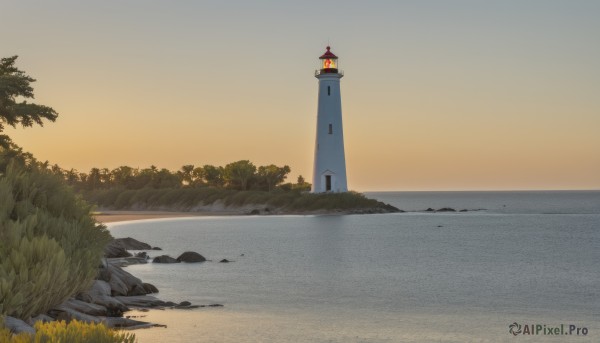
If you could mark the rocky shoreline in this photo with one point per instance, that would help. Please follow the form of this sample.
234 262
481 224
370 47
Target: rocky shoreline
113 293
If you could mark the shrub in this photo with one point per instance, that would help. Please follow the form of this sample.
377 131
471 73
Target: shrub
74 331
49 244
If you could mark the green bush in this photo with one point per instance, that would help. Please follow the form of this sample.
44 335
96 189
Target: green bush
50 246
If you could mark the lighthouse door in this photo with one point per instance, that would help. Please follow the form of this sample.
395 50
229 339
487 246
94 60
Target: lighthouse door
327 183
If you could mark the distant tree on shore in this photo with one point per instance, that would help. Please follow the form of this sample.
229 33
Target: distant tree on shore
301 184
214 176
272 175
241 175
15 84
237 174
186 173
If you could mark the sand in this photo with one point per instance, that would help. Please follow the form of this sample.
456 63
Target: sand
119 216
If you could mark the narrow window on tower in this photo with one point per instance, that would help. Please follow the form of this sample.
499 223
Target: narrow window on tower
330 129
328 90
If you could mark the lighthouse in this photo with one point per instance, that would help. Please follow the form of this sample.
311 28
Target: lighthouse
329 174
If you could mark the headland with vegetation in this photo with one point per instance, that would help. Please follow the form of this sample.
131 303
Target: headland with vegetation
236 188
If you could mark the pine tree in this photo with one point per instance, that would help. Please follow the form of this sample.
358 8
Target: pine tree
15 85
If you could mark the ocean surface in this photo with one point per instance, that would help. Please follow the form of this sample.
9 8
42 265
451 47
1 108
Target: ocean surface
531 258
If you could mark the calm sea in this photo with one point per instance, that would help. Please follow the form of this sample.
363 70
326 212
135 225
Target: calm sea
523 257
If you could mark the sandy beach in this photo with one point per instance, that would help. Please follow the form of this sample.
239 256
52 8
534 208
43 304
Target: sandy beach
120 216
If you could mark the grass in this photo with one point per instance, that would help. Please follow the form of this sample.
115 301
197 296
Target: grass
186 199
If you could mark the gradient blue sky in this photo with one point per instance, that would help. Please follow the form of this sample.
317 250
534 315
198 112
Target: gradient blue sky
438 95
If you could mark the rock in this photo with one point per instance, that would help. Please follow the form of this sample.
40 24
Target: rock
440 226
84 297
165 259
150 288
156 248
113 249
118 247
215 305
137 290
430 210
112 322
188 307
132 244
185 303
123 283
17 326
100 293
190 256
67 314
99 288
254 212
446 209
117 286
103 274
115 307
463 210
392 209
126 261
141 301
83 307
141 254
224 261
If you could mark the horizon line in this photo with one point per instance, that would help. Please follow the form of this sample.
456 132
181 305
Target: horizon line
482 190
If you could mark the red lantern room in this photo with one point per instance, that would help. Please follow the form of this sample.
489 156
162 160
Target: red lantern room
329 63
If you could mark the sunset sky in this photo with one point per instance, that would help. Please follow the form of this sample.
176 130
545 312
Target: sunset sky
437 95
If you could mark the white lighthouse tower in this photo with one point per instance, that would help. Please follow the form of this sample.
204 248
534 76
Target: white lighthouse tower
329 174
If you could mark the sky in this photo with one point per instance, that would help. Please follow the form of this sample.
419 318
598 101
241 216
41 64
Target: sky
437 95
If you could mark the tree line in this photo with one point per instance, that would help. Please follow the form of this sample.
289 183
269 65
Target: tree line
241 175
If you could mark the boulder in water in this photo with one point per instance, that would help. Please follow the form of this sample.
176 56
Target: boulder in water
141 254
165 259
150 288
132 244
191 256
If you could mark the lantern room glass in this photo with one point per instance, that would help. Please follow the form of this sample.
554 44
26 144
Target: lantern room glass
329 63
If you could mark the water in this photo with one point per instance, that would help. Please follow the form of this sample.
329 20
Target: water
529 257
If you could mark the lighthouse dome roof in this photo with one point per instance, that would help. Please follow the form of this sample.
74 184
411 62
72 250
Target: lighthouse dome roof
328 54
